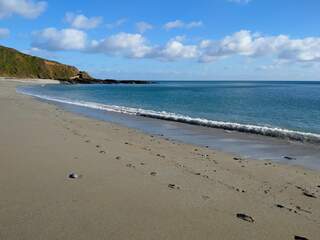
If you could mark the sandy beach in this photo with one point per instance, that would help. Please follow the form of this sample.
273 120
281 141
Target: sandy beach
131 185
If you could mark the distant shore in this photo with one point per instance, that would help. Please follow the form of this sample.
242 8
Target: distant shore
78 81
64 176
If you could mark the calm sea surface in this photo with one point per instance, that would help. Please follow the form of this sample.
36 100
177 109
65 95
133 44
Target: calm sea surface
286 105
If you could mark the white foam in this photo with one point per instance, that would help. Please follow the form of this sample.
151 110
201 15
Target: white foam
247 128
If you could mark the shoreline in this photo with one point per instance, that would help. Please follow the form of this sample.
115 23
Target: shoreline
245 141
137 186
274 132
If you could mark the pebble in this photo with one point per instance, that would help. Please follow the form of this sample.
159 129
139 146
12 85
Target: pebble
296 237
73 176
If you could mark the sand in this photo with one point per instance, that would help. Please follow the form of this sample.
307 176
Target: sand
135 186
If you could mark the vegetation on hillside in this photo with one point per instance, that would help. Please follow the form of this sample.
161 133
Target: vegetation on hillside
19 65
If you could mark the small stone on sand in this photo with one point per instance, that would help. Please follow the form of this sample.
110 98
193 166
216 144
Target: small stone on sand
73 176
245 217
300 238
173 186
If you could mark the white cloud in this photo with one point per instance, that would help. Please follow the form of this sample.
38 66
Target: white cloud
117 23
125 44
176 50
25 8
181 24
143 26
245 43
81 21
65 39
4 33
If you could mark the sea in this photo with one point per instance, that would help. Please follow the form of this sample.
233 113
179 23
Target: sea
269 120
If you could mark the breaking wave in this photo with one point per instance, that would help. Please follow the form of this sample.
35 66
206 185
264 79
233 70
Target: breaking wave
246 128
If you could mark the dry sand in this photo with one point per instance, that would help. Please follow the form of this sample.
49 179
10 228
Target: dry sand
124 191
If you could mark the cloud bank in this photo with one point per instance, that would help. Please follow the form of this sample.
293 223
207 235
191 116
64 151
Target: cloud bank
242 43
24 8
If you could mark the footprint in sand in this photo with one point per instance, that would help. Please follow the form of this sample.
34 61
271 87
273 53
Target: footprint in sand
129 165
205 197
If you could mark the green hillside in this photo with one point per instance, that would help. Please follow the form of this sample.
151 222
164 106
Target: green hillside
19 65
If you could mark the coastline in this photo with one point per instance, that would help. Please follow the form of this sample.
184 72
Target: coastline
125 191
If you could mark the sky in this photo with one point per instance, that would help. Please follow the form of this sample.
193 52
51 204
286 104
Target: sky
170 40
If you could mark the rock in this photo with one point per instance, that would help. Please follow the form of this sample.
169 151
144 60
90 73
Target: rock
245 217
237 159
102 152
118 157
296 237
73 176
153 173
279 206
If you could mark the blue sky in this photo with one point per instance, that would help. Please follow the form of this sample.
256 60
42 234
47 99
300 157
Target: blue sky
171 40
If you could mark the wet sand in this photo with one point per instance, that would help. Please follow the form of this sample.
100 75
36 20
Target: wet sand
131 185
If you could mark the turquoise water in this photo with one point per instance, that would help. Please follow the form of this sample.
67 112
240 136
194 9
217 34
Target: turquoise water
279 109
